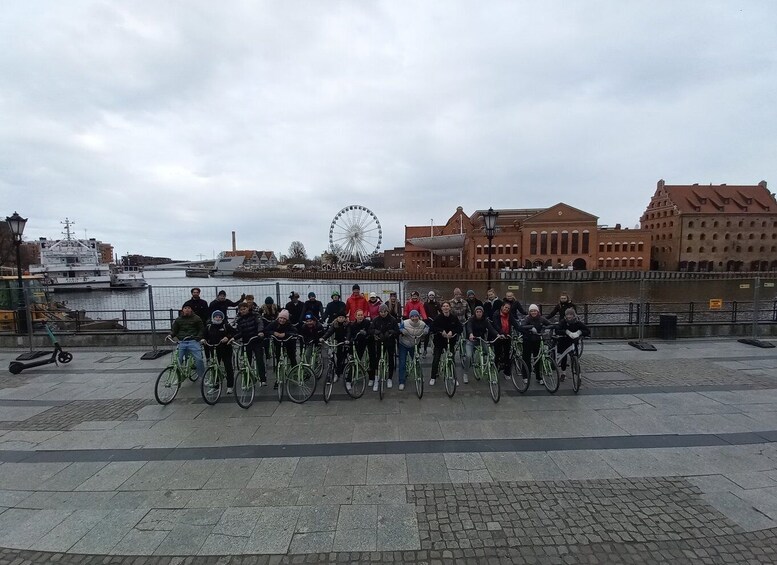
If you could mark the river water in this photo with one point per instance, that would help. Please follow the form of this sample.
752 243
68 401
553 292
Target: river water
602 300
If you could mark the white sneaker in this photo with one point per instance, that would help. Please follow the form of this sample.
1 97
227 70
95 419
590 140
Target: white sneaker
525 382
348 386
542 382
431 382
369 382
389 384
375 387
401 386
229 390
465 378
335 379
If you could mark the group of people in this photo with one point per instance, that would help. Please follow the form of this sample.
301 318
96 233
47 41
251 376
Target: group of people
372 327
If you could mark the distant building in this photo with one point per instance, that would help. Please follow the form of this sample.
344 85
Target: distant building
255 259
559 237
32 248
712 228
394 258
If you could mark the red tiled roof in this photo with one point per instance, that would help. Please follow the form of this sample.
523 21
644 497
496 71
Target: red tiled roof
240 253
715 199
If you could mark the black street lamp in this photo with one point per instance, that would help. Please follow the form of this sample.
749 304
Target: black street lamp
16 223
489 221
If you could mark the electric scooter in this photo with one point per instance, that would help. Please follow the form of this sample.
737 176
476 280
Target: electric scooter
57 356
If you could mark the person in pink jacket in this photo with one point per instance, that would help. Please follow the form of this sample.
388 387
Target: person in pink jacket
373 305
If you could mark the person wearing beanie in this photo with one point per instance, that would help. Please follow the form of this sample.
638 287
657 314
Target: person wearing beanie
477 327
335 308
504 322
269 310
281 329
473 301
412 330
249 325
221 303
217 336
384 330
531 328
312 306
373 305
355 302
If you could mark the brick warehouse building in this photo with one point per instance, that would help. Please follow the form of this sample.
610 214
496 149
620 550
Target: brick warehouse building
560 237
712 228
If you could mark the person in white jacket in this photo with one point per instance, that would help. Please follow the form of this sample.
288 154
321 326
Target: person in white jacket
411 331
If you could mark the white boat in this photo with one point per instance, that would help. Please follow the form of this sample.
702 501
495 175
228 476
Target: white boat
226 266
72 264
127 277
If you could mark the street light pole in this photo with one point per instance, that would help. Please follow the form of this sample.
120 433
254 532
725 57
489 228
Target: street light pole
16 224
489 221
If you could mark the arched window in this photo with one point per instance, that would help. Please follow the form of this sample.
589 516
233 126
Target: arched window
554 243
703 236
690 236
586 241
701 250
714 249
533 243
564 242
575 242
704 224
543 243
690 224
714 236
639 261
688 250
750 249
479 250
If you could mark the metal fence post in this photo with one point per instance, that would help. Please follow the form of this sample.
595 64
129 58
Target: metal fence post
278 294
155 352
643 306
756 305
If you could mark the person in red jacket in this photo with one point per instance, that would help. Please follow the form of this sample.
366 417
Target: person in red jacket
354 303
414 304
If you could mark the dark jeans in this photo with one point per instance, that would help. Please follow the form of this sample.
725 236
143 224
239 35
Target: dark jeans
562 343
368 344
291 351
531 347
254 350
223 354
391 352
439 346
502 354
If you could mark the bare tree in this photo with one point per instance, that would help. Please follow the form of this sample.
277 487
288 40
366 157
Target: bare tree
297 251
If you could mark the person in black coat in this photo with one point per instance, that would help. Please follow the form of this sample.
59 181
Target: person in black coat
515 306
312 306
477 327
282 329
360 335
335 308
247 325
504 322
564 302
222 303
294 308
532 327
492 304
218 333
570 329
444 326
384 330
198 306
339 328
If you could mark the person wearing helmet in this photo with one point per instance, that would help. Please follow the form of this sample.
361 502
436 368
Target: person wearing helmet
335 308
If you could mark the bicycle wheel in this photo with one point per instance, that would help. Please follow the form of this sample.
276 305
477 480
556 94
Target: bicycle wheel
210 386
358 380
245 388
167 385
301 384
517 373
580 348
419 377
191 369
281 369
574 366
466 362
550 375
329 383
317 362
450 376
493 382
381 376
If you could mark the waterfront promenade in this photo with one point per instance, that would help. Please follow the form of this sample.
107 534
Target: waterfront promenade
667 456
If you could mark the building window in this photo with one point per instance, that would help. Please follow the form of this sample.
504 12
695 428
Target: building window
633 246
554 243
575 239
533 243
617 247
688 250
701 250
601 262
762 249
639 261
752 224
704 224
640 245
608 263
690 236
739 236
690 224
703 236
740 223
750 249
751 236
715 224
714 236
544 243
632 262
601 246
714 249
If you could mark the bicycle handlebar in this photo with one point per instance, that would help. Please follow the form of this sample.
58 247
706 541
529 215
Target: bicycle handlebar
173 339
285 339
242 343
497 338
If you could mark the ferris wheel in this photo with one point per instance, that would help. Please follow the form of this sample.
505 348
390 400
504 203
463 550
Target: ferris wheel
355 234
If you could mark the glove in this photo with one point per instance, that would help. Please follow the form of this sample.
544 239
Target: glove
577 334
570 334
534 330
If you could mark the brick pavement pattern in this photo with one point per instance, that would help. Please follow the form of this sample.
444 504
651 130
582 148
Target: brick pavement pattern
78 411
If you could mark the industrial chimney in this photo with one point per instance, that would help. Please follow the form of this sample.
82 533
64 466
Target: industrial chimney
234 243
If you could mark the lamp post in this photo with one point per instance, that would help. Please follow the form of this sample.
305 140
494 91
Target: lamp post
16 224
489 221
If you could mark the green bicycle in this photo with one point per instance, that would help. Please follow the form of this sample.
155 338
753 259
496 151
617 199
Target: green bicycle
413 367
331 368
518 369
383 364
311 354
356 372
549 372
212 382
247 375
169 380
282 364
448 368
484 365
301 379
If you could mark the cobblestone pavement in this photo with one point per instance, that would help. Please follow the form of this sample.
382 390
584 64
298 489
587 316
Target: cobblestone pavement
92 467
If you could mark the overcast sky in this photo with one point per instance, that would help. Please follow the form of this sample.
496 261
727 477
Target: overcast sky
162 126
